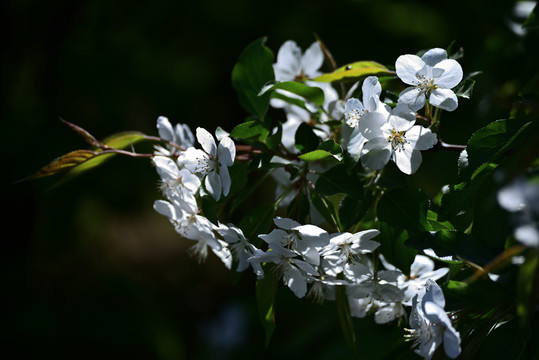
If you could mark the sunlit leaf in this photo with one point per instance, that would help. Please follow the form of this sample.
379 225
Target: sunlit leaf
354 71
250 129
64 163
123 139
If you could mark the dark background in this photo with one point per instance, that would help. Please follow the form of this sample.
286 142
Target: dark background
88 269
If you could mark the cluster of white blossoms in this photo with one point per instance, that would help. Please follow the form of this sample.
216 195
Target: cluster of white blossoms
308 259
378 133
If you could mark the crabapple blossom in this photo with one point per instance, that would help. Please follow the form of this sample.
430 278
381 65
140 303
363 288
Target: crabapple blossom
211 163
431 326
394 137
180 135
432 76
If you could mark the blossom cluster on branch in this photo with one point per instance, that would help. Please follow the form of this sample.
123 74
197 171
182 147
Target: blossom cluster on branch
345 224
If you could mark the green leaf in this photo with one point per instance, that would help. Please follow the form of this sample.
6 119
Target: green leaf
465 89
404 208
326 149
333 148
455 244
250 129
306 139
312 93
352 209
252 71
258 221
315 155
489 143
482 293
393 246
527 291
345 318
337 180
266 289
354 71
124 139
66 162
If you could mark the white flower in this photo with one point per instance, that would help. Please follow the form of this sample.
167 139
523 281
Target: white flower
293 271
521 197
181 135
211 162
175 183
183 215
432 76
421 270
292 65
354 109
240 248
304 239
431 326
394 137
347 247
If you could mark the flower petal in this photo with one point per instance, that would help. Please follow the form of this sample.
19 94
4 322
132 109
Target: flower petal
371 124
407 67
165 129
444 99
213 184
434 56
312 60
451 75
286 223
376 153
413 97
288 63
226 151
421 138
207 141
371 92
407 160
225 179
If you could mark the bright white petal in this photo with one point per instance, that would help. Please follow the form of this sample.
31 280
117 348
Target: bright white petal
407 160
421 265
371 124
288 63
356 142
444 99
451 74
166 167
207 141
166 209
407 67
165 129
312 60
371 91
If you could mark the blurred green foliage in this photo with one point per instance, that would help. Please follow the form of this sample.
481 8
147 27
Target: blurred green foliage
88 269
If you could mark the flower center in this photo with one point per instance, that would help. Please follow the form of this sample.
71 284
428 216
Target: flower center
425 84
353 117
397 139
